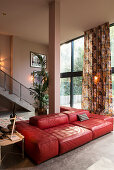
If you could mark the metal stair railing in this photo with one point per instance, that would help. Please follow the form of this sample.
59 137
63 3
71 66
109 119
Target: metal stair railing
15 87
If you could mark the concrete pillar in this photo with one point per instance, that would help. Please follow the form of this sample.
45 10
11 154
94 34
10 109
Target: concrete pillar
54 56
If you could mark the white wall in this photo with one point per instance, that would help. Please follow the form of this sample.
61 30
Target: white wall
21 59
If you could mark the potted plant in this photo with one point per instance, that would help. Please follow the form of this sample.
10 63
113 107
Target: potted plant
40 88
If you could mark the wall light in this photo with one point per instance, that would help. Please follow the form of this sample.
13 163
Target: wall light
95 79
31 78
1 63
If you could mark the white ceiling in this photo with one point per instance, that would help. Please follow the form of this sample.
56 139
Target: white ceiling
29 19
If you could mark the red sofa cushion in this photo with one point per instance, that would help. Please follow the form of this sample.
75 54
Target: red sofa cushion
98 127
48 121
102 117
39 145
72 115
70 136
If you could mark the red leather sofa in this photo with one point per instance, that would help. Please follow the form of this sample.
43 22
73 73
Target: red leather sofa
51 135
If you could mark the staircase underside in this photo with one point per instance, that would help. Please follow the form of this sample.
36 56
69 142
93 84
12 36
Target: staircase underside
13 98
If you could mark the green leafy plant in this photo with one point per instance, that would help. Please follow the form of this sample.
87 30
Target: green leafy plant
40 88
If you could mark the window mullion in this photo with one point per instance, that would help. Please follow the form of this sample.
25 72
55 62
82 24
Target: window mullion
72 56
72 69
112 69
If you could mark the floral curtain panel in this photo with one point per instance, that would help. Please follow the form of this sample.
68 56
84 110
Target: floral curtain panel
97 79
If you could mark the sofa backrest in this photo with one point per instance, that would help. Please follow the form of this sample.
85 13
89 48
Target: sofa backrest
72 115
48 121
66 108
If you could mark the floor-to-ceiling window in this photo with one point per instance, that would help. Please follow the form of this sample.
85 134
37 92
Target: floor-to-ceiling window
71 66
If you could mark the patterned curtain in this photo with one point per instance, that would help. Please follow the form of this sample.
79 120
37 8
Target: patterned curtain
97 78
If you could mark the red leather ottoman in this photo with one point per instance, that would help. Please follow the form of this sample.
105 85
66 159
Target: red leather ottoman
70 136
39 145
98 127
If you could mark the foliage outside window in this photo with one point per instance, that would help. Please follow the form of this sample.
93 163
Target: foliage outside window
65 59
78 54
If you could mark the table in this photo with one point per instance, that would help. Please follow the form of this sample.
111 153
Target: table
8 141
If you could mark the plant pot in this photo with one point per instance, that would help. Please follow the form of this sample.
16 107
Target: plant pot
41 111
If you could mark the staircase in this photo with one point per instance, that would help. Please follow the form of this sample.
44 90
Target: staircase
16 92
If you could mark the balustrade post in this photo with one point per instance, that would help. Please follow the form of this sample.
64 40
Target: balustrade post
20 91
5 82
